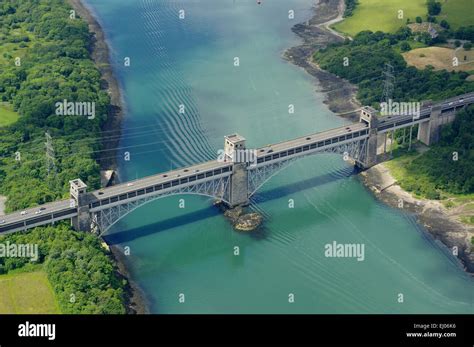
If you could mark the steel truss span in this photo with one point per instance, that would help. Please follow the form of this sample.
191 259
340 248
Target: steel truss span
258 176
104 219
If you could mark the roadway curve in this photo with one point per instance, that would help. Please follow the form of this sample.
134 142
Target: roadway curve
327 25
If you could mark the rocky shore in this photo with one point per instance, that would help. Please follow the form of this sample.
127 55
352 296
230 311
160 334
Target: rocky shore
135 300
101 56
440 223
340 94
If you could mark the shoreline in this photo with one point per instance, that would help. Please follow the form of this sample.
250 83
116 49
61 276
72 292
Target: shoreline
100 54
135 300
340 97
435 219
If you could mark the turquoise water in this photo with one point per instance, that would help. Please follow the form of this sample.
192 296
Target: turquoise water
190 250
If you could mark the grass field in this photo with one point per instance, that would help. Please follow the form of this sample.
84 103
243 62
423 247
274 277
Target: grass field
457 12
381 15
7 115
440 58
27 292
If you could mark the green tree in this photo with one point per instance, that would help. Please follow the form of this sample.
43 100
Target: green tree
405 46
444 24
434 7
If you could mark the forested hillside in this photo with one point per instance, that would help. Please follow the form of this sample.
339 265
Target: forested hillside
366 57
45 59
363 60
449 165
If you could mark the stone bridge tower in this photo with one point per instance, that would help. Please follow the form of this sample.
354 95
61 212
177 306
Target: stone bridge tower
80 200
369 115
235 152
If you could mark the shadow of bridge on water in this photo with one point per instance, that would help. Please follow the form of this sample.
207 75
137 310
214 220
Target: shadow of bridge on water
208 212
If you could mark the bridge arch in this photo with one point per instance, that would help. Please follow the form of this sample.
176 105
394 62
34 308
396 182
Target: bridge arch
260 175
105 219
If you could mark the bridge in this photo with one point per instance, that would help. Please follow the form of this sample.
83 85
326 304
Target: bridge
237 174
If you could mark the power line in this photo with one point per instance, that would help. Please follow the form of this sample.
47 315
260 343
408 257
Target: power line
50 157
389 82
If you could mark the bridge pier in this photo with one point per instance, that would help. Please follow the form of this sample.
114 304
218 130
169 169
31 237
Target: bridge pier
235 151
369 115
239 186
429 132
78 192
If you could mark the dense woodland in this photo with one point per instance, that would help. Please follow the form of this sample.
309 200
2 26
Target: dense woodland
55 65
436 171
82 275
449 165
366 57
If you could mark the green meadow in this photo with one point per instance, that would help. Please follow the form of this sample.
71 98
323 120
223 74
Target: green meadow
27 293
381 15
458 13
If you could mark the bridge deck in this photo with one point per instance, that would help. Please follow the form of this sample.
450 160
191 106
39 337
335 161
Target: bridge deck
58 210
44 214
166 177
312 138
